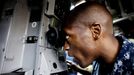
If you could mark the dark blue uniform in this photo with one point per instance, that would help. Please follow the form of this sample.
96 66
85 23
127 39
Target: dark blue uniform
124 63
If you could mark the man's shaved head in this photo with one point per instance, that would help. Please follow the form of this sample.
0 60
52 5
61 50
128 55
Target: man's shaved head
89 13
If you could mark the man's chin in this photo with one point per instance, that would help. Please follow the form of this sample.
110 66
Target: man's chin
83 65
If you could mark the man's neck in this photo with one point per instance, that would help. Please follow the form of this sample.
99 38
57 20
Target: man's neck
111 50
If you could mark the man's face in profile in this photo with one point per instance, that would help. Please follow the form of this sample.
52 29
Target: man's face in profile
80 44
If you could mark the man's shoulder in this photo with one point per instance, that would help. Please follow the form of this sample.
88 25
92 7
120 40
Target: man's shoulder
125 59
127 46
125 41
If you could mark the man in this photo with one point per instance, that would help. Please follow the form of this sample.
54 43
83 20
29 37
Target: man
89 37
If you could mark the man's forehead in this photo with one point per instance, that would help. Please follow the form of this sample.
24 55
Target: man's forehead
69 30
72 30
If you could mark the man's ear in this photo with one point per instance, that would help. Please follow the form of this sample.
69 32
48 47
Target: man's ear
95 30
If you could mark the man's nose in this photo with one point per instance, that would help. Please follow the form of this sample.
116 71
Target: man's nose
66 46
